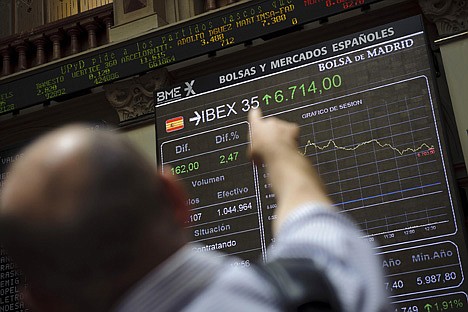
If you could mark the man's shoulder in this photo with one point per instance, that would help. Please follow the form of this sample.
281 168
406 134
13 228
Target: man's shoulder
236 287
174 283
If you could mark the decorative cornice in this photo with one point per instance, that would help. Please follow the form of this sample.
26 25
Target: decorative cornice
450 16
133 98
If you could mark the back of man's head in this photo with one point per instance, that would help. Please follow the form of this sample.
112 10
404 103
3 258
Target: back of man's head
84 215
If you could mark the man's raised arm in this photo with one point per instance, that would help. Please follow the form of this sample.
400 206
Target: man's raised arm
293 179
308 227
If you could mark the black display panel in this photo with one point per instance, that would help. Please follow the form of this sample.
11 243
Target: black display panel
170 45
369 122
10 277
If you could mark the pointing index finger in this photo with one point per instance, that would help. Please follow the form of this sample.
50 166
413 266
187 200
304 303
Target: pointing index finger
254 115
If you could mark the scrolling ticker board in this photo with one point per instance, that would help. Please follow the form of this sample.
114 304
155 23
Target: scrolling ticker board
10 277
369 121
170 45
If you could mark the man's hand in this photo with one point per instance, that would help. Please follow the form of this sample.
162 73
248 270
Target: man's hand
294 180
269 134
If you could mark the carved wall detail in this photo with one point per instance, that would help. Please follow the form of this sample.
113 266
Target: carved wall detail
133 98
450 16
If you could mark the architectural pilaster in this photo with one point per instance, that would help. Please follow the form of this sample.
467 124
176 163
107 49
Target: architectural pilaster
134 98
450 16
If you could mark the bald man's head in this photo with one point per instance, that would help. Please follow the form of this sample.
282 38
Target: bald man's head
78 210
44 185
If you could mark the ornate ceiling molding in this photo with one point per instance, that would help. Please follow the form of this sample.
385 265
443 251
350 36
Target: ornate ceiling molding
450 16
133 98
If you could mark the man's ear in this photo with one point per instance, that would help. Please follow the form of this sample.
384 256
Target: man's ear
176 195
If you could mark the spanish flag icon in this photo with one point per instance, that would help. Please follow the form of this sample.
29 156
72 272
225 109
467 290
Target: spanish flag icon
174 124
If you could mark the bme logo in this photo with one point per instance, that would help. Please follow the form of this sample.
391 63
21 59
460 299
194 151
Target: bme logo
175 93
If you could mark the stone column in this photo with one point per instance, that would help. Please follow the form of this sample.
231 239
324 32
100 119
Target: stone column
74 32
210 5
40 43
185 9
56 46
6 65
21 49
91 28
108 21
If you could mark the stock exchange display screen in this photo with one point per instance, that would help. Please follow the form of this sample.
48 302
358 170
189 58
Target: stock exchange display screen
169 45
368 116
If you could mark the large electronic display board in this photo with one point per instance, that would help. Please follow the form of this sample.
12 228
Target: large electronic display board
369 121
172 44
